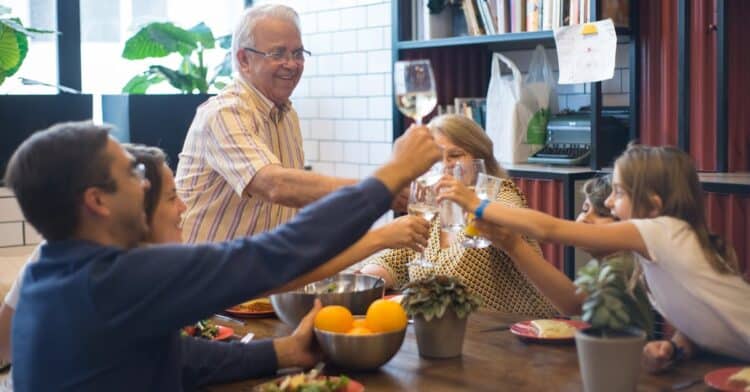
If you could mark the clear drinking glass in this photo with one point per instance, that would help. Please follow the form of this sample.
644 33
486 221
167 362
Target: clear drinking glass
423 202
414 88
468 171
486 188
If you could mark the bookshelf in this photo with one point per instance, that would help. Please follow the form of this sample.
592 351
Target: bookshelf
470 55
461 65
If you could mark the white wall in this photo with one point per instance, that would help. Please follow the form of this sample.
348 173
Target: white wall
344 97
14 230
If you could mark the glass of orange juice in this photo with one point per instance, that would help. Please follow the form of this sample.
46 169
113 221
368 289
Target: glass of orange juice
487 187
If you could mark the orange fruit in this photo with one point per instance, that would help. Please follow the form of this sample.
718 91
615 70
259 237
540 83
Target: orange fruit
385 316
359 331
334 318
359 323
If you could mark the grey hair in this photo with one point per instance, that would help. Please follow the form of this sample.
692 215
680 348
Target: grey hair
243 37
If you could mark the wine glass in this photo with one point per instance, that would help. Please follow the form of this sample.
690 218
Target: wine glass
423 203
414 88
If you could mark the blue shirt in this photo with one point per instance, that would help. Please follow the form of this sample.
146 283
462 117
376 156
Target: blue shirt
102 318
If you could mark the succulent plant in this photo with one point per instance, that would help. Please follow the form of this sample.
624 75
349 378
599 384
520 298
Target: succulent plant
431 297
615 299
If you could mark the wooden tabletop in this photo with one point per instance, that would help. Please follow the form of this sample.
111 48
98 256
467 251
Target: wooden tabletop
491 361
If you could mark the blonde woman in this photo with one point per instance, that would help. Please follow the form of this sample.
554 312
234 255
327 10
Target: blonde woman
488 272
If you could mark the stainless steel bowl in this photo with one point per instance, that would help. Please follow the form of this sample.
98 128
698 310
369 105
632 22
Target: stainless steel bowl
353 291
360 352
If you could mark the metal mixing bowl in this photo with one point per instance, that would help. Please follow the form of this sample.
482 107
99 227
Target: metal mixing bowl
360 352
353 291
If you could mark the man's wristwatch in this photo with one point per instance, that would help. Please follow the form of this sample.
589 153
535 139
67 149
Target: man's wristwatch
678 353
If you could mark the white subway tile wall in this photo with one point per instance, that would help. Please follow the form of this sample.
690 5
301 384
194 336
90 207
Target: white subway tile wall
344 97
14 231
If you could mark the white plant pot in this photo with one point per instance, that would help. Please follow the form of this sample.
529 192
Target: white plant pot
438 25
611 363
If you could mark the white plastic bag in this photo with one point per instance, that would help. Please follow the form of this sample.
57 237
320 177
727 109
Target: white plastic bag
518 109
541 80
509 109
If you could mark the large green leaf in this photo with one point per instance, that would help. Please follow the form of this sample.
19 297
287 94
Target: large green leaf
203 35
141 82
225 68
13 48
159 40
15 24
225 41
179 81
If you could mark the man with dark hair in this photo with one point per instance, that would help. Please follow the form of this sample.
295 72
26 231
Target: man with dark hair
97 314
79 165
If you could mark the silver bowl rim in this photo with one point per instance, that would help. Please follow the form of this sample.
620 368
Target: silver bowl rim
379 284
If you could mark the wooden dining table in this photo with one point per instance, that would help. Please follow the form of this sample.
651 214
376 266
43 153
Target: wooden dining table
493 360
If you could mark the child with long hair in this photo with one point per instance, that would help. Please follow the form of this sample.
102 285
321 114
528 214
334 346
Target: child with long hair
550 281
693 276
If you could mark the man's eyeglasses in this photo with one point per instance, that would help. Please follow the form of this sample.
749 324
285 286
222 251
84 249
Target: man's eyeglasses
280 56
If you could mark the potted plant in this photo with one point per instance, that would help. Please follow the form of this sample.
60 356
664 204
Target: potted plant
618 310
440 307
24 114
438 22
163 120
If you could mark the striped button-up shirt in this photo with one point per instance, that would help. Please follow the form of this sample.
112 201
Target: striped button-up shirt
233 135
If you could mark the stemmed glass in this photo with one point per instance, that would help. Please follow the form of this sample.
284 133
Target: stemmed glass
414 88
423 203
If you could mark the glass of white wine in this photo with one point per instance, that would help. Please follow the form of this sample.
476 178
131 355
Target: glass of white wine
423 203
414 87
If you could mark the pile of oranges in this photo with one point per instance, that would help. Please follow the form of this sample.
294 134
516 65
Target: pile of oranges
382 316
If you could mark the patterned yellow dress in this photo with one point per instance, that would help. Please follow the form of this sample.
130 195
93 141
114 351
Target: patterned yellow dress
487 272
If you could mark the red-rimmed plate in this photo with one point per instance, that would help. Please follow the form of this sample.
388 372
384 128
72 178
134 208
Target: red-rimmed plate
719 379
351 386
260 307
224 332
526 331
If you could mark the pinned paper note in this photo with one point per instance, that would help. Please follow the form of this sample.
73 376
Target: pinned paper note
586 53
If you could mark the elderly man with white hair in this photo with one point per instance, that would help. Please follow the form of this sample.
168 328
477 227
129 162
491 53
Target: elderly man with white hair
241 168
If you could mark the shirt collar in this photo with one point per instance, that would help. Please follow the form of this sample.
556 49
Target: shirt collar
267 107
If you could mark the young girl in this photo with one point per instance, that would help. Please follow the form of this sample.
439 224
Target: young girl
549 280
692 275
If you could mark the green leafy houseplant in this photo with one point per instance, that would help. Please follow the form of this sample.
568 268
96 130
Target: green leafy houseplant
14 43
615 300
158 39
436 6
431 297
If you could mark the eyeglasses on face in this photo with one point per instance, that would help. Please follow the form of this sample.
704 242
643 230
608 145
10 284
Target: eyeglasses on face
281 55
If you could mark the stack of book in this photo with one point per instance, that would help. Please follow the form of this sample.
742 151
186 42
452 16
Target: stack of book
513 16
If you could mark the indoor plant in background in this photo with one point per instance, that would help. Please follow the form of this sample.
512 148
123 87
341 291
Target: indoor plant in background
23 114
618 310
163 119
438 19
440 307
